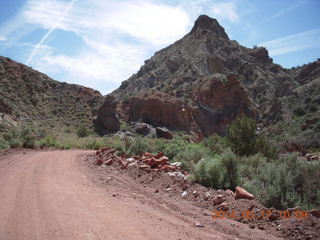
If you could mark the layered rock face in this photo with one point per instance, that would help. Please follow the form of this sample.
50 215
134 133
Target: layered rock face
203 81
28 97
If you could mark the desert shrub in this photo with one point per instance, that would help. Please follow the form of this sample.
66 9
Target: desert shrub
215 143
3 144
214 174
199 171
121 145
94 144
241 134
229 167
245 141
250 166
173 147
13 138
139 146
217 172
191 154
265 147
82 132
287 182
132 146
28 138
299 111
49 141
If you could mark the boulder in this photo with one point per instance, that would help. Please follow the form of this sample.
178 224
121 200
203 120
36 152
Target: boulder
107 120
242 193
163 132
141 128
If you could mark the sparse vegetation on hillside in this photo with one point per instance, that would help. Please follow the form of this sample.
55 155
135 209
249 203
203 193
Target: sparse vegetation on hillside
28 137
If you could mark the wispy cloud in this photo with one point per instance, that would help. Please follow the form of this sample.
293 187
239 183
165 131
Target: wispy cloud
293 43
54 27
286 10
117 35
3 38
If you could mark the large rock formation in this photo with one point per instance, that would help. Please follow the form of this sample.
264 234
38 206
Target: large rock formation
204 80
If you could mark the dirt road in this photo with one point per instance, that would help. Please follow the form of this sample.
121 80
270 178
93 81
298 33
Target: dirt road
55 195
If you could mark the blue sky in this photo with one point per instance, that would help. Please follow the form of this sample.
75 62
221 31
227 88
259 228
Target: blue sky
100 43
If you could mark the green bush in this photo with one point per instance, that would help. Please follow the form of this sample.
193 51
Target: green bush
287 182
139 146
191 154
82 132
49 141
3 144
229 167
265 147
216 143
13 138
96 145
122 146
250 166
173 147
199 172
241 134
245 141
217 172
28 138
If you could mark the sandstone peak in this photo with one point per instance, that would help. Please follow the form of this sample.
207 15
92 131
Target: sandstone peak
210 25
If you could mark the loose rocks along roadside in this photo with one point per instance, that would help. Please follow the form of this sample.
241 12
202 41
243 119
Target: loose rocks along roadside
166 186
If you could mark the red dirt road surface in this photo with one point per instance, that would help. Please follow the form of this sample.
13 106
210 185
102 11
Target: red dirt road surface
56 195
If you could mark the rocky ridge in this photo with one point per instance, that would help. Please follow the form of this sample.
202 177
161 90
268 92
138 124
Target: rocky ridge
203 81
30 97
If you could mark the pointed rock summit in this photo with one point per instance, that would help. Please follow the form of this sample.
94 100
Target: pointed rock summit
201 83
209 25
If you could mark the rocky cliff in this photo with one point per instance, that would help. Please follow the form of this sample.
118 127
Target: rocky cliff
202 82
30 97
